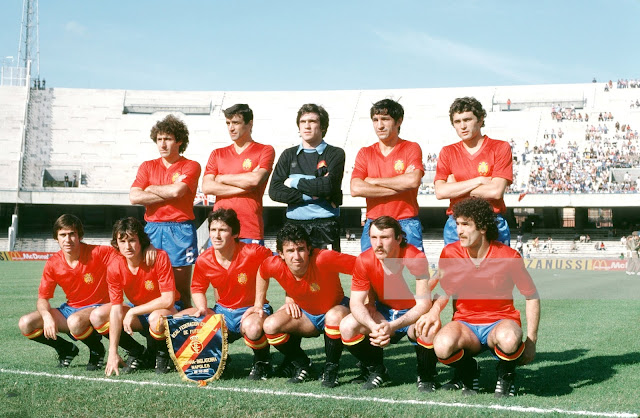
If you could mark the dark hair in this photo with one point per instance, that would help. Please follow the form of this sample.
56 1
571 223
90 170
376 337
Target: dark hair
387 107
292 233
386 222
239 109
174 126
228 216
318 110
481 212
68 221
129 226
467 104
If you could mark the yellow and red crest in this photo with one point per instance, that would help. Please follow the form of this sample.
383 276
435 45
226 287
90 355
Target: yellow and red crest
246 164
483 168
242 278
174 177
321 164
315 287
398 166
88 278
148 284
195 344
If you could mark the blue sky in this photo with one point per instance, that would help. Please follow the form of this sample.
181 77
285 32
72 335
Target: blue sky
286 45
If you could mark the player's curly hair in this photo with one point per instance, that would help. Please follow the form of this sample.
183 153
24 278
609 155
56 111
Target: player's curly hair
174 126
68 221
228 216
239 109
386 222
318 110
292 233
129 226
467 104
481 212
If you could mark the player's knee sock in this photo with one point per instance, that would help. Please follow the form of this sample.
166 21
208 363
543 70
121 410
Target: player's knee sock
464 363
332 344
260 348
507 363
289 346
426 359
91 338
59 344
158 342
127 342
360 347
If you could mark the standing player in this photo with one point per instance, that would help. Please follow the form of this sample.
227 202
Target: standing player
230 266
80 270
377 275
476 166
315 301
167 187
482 272
237 174
388 173
308 179
151 292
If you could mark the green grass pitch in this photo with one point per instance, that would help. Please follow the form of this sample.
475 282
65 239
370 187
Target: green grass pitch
588 363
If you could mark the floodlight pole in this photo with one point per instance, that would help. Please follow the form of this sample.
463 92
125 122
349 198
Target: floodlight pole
29 44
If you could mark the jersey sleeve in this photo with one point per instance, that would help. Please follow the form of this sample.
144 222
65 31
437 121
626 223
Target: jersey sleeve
522 278
417 264
267 158
114 283
360 281
269 267
200 282
47 283
192 172
142 176
326 185
415 152
212 164
360 168
164 273
108 254
503 162
443 168
335 261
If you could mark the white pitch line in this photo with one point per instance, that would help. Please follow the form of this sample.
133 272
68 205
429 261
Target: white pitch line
520 409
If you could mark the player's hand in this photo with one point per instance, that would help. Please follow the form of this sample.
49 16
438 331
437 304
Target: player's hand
529 352
410 169
380 335
428 324
287 182
150 254
50 328
127 322
484 180
252 310
451 178
293 310
113 364
180 178
200 312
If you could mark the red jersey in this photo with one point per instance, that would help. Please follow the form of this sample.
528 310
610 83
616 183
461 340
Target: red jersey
144 286
83 285
154 172
320 289
236 285
248 205
371 163
493 159
388 283
484 293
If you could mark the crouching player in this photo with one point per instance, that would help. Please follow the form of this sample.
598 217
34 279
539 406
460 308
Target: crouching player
230 266
314 303
377 277
481 273
80 270
151 291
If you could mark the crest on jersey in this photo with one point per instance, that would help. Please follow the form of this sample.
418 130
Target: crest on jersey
88 278
246 164
483 168
315 287
148 284
174 177
321 164
398 166
197 346
242 278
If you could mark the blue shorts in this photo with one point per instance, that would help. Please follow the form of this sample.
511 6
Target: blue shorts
450 232
481 331
318 320
233 317
252 241
390 314
144 318
178 239
67 310
410 226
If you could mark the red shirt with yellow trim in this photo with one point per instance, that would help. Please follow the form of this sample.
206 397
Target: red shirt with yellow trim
83 285
154 172
493 159
371 163
319 289
387 281
144 286
484 293
236 285
248 205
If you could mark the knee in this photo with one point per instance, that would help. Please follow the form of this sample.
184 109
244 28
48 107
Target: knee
25 323
155 321
509 340
76 324
98 317
443 345
252 327
270 325
335 315
348 327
